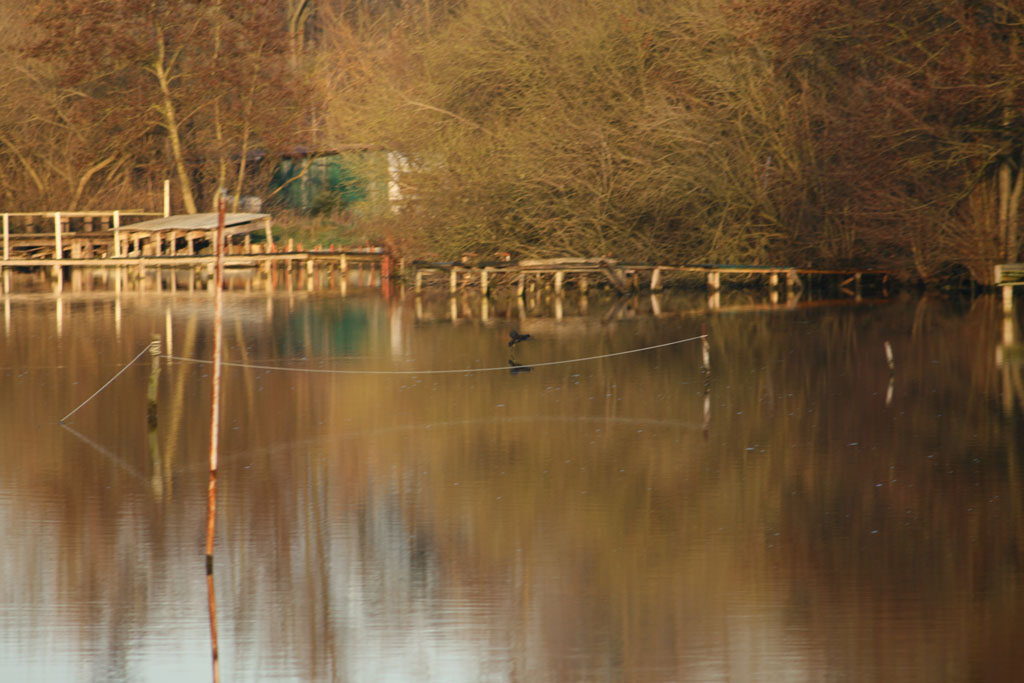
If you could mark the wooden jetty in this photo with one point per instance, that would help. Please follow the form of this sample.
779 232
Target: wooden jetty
105 234
56 233
120 240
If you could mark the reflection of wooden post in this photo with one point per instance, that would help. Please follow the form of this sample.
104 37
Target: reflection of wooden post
1007 300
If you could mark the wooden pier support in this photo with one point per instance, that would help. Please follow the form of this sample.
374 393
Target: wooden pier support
714 280
656 280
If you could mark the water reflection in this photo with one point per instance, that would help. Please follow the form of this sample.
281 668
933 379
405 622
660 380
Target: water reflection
631 518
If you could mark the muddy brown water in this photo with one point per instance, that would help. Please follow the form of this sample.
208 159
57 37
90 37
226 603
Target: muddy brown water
800 513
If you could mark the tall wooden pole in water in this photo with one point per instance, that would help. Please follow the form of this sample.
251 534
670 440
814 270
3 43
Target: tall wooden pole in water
211 499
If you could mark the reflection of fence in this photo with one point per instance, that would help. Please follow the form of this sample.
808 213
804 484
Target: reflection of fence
623 277
556 314
311 263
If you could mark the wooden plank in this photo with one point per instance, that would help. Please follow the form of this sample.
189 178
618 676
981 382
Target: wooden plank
1009 273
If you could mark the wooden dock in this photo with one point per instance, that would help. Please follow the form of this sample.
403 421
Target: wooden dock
103 234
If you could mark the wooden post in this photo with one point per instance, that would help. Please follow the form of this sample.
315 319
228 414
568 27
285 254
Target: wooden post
559 281
656 280
453 281
1007 300
521 284
419 281
167 197
792 282
117 234
270 235
483 281
7 236
584 283
152 390
57 228
211 497
705 354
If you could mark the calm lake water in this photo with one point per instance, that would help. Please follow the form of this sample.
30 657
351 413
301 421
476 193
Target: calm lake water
798 514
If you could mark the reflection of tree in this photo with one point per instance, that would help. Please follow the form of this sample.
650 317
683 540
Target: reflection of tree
566 521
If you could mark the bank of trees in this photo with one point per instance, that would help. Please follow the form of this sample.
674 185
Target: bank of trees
105 98
795 132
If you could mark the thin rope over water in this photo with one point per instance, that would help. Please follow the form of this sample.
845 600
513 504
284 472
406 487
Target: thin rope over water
109 382
503 368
